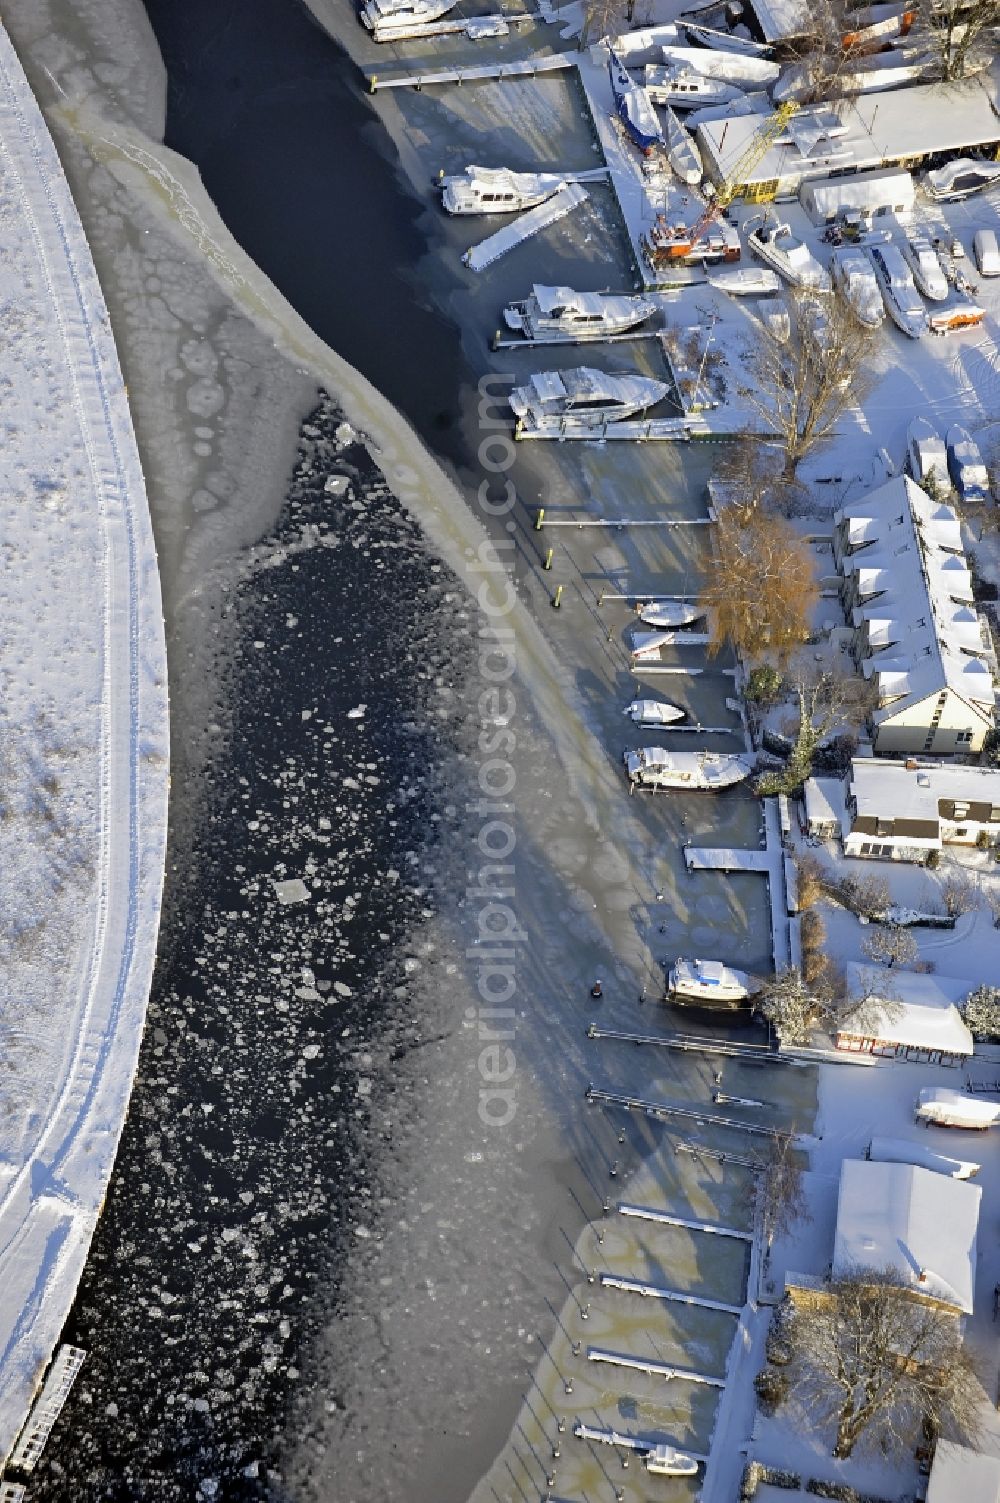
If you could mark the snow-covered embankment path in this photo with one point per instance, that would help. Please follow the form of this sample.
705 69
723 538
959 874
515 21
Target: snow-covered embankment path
83 748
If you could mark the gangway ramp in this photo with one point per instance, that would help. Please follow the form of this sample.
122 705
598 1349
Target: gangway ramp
562 202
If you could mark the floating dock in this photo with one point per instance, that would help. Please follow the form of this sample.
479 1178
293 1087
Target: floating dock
653 1291
475 72
647 1365
645 1213
643 430
686 1043
562 202
770 863
690 1113
47 1408
725 859
638 1443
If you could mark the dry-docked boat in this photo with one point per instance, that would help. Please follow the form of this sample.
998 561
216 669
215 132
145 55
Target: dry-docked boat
955 317
708 981
724 41
961 178
731 67
655 767
497 190
901 298
654 712
392 20
855 280
584 395
682 151
922 259
633 107
667 613
686 88
875 24
965 464
790 257
745 281
552 313
926 454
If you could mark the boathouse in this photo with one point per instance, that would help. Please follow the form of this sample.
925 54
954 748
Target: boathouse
904 1014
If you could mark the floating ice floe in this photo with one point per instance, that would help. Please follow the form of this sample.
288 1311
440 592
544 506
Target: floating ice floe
292 891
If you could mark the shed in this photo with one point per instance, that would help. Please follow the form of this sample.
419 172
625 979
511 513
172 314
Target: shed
825 811
958 1472
906 1015
915 1224
875 193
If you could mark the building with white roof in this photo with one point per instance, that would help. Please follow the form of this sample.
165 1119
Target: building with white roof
899 811
917 1225
907 591
905 1015
894 128
959 1475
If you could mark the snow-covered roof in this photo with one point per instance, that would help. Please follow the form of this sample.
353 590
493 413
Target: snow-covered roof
779 19
915 594
961 1474
919 1010
916 1224
824 801
909 790
870 131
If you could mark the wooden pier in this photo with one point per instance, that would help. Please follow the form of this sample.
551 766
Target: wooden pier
562 202
476 72
47 1408
538 340
670 430
689 1113
647 1365
582 522
689 1044
663 1218
639 1443
653 1291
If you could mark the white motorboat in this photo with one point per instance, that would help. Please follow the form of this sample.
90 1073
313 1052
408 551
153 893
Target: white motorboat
686 88
731 67
926 454
633 107
497 190
654 712
725 41
667 1461
560 313
655 767
745 281
855 280
922 259
790 257
708 981
961 178
682 151
667 613
584 395
965 463
901 298
390 20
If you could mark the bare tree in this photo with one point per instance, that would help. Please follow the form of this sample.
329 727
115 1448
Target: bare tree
866 893
874 1357
959 894
959 33
802 386
815 961
889 945
761 591
812 879
873 1002
781 1197
823 700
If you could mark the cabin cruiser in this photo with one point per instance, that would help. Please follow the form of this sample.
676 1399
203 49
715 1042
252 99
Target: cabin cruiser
922 259
901 298
708 981
584 395
668 613
682 151
667 1461
790 257
962 177
685 88
560 313
926 454
743 281
633 107
654 712
390 19
497 190
965 464
855 281
731 67
655 767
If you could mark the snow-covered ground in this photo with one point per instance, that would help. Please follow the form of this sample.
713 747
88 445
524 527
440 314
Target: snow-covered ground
85 755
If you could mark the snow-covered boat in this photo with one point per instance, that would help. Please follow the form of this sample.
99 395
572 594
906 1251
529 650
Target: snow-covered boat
855 280
708 981
955 317
945 1107
901 298
790 257
745 281
655 767
560 313
666 613
391 20
667 1461
671 244
922 259
645 645
962 177
682 151
633 107
965 464
497 190
731 67
686 88
724 41
875 24
773 314
584 395
654 712
926 454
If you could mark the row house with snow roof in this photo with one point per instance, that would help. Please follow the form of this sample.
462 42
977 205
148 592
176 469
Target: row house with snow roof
916 633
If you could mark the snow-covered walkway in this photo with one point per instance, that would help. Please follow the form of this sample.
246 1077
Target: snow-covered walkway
84 748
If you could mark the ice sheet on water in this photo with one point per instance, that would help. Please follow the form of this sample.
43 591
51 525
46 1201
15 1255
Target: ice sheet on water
293 890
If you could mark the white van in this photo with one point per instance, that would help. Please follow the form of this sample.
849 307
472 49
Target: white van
987 253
